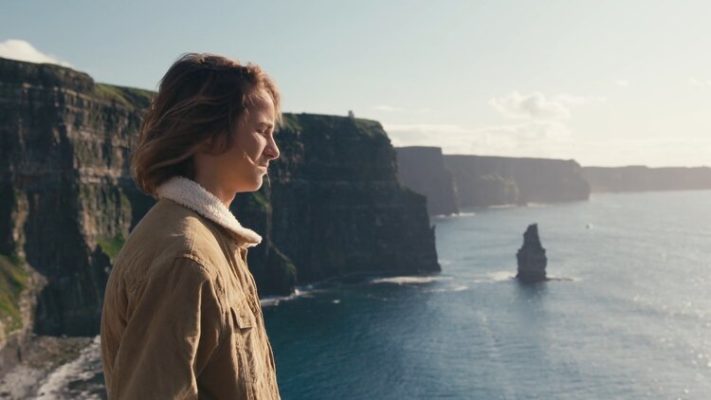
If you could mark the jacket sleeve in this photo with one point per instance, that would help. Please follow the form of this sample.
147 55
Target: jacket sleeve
174 328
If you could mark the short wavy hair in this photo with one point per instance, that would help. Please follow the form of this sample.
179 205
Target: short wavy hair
201 99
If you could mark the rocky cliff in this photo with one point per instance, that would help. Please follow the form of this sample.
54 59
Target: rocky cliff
641 178
531 257
488 180
334 205
67 203
422 170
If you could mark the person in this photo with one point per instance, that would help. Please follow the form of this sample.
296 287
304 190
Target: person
181 316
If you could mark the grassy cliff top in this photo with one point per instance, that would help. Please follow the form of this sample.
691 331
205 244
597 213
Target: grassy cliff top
52 75
14 72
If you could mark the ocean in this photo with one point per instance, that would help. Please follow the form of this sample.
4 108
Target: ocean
627 315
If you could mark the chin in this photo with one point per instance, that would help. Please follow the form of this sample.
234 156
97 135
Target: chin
257 184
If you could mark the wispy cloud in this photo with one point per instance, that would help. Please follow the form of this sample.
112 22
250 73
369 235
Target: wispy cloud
22 50
538 106
699 82
540 128
622 82
530 138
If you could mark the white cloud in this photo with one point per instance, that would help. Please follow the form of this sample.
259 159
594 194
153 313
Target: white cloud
528 139
622 82
538 106
24 51
699 82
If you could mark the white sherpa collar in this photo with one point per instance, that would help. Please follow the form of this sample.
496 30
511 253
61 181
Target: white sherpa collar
192 195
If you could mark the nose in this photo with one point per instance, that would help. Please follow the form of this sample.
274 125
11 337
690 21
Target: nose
272 150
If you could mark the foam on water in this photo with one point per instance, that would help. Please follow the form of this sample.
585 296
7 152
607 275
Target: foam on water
409 280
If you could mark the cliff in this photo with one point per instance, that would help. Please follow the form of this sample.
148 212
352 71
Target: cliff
65 198
336 205
641 178
531 257
67 201
488 180
422 170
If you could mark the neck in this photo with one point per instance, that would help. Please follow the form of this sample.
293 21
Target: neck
212 185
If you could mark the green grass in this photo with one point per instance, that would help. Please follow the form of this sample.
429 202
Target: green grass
13 281
111 246
129 97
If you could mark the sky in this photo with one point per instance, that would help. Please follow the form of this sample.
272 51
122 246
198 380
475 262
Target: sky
603 82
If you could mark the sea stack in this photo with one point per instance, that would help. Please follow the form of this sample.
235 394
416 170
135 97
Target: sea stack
531 257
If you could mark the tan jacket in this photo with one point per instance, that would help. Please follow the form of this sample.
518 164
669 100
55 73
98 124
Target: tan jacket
181 316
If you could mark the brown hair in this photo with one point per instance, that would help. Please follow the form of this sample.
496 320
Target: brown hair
201 100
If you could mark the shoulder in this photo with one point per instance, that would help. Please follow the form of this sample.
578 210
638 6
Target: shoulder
170 232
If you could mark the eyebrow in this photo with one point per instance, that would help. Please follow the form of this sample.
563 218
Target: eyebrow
266 124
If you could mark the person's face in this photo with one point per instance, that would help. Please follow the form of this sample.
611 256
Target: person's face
243 166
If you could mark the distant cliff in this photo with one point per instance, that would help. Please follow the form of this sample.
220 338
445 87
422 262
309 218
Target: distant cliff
641 178
422 170
67 203
488 180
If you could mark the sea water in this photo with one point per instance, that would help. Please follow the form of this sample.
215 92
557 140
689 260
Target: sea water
628 315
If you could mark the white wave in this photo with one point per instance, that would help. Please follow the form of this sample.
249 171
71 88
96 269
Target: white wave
467 214
404 280
55 385
503 206
499 276
457 288
537 205
496 276
305 291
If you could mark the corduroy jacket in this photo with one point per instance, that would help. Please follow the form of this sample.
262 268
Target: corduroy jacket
181 315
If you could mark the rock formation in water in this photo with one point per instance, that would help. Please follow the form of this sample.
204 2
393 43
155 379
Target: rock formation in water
531 257
332 206
641 178
422 170
486 180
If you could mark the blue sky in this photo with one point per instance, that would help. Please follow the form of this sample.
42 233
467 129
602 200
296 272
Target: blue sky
603 82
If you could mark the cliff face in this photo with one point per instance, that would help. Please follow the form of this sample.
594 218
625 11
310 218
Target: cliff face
485 180
67 201
640 178
422 170
64 144
336 205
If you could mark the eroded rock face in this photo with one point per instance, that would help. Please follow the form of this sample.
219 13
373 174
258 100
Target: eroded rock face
531 257
422 169
336 205
333 206
487 180
64 143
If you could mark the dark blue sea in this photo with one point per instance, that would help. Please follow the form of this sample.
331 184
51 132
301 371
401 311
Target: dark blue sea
627 317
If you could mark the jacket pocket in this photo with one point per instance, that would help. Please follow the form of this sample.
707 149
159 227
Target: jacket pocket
242 317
